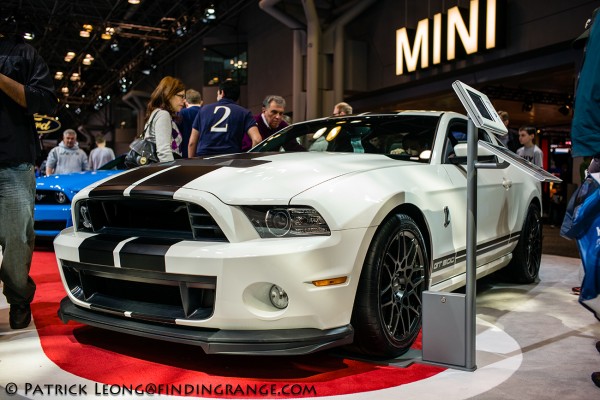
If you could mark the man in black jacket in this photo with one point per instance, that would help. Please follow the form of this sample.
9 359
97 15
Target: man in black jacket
26 88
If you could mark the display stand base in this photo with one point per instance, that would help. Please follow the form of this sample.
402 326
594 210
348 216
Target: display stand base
444 330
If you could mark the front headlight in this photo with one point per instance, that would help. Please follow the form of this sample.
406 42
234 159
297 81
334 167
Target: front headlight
60 197
52 197
286 221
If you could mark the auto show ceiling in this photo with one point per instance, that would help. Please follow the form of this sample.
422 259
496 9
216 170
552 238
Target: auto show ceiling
93 46
97 47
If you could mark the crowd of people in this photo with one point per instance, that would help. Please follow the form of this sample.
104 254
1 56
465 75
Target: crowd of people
68 157
181 126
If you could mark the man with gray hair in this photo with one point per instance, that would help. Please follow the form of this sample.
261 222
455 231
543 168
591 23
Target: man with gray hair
270 121
67 156
342 109
193 102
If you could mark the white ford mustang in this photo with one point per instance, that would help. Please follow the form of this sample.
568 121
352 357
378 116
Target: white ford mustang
290 252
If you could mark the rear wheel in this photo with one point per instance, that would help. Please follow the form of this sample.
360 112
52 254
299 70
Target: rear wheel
387 312
527 256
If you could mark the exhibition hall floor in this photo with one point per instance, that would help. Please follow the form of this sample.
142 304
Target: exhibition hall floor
533 342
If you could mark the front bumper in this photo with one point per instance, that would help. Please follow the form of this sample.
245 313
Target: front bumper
217 341
49 220
221 286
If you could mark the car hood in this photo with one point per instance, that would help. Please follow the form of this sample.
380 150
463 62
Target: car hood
74 181
245 178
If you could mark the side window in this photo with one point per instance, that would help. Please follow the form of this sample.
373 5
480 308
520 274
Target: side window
456 135
485 136
456 143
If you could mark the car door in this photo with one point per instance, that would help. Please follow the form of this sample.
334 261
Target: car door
493 210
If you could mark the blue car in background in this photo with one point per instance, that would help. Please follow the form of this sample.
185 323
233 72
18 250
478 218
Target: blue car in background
54 193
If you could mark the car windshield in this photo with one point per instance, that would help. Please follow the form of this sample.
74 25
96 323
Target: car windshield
117 163
399 136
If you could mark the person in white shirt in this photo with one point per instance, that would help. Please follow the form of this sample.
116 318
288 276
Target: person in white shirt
101 154
530 151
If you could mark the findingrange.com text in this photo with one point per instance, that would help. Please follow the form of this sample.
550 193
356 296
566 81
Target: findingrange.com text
100 389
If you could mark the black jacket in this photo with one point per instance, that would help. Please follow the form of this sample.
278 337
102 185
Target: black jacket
19 141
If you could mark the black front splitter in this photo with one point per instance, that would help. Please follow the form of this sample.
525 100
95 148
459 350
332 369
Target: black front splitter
282 342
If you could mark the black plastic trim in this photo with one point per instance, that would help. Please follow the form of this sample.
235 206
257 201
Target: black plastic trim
282 342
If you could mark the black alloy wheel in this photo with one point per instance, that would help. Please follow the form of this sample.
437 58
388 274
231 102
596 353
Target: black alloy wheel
388 308
527 256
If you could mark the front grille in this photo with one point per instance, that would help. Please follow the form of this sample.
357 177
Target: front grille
146 295
164 218
50 197
49 225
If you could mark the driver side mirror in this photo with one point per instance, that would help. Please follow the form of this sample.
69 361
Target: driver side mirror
460 154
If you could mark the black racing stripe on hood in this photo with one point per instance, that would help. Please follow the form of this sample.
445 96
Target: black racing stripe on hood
99 249
146 253
119 183
167 183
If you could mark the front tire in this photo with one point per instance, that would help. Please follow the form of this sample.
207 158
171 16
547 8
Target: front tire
388 309
527 256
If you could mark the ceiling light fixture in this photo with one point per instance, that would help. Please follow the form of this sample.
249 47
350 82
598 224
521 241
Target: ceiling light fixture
70 55
238 64
85 32
108 32
28 35
210 14
59 75
181 30
87 60
133 1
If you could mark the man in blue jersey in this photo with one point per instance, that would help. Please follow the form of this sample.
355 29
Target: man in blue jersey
220 127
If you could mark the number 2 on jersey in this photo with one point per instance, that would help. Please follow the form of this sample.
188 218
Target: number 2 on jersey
221 124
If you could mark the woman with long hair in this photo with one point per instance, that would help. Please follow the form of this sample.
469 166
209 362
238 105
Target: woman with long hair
160 127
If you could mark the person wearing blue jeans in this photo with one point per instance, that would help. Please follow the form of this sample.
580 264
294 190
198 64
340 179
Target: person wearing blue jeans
26 88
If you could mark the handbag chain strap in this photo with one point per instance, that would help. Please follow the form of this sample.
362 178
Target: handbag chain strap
150 125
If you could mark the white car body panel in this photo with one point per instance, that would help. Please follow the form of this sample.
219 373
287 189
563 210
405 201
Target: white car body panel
354 194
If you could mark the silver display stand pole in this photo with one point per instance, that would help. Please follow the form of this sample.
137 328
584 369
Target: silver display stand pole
470 289
449 318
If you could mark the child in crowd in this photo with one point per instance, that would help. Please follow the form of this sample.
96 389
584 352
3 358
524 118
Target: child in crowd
530 151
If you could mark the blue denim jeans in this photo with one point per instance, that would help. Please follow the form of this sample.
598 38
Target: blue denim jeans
17 197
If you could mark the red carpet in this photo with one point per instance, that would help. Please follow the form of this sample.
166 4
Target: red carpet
118 359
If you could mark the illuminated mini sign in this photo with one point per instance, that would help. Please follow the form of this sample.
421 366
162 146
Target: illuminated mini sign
427 38
46 124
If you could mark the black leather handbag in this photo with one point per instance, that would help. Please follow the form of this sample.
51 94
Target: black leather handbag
142 151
